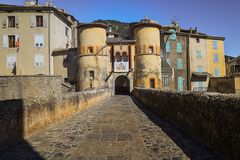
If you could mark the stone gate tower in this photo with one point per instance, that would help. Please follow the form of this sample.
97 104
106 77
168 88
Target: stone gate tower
147 70
92 56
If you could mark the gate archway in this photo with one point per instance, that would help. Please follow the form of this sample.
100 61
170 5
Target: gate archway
122 85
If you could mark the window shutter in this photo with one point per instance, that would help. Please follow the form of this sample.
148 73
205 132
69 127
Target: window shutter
168 47
5 41
16 21
45 21
179 47
33 21
4 22
17 41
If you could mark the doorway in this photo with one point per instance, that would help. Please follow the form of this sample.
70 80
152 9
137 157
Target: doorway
122 85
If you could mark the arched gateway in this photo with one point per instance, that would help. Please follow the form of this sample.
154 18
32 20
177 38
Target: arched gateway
122 85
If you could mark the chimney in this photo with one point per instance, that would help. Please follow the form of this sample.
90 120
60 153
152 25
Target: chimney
190 30
36 2
196 30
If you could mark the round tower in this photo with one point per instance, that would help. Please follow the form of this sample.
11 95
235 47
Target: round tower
147 70
92 56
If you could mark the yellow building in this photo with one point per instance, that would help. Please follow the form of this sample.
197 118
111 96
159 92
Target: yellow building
216 58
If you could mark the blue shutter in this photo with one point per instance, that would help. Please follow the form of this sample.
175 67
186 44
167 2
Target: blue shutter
179 64
215 45
199 69
198 54
216 72
215 58
173 35
180 84
179 47
168 47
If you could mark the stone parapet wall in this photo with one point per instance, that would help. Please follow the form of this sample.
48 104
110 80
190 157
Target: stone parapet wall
23 117
15 87
224 85
213 118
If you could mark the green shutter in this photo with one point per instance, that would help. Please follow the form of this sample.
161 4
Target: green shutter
180 84
173 35
168 47
179 64
179 47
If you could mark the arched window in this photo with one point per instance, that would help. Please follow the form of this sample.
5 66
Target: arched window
125 57
118 57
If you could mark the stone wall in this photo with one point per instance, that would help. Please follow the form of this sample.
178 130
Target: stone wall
224 85
22 117
15 87
212 118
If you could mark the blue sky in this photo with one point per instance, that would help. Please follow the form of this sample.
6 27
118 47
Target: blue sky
214 17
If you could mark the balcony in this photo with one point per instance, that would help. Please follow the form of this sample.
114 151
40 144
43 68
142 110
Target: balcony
121 66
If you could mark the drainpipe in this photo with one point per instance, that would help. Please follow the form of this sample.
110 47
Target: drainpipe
188 63
49 45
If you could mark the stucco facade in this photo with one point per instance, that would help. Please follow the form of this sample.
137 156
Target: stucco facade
216 58
37 32
199 63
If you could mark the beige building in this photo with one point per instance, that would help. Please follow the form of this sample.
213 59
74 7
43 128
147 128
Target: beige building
29 35
199 64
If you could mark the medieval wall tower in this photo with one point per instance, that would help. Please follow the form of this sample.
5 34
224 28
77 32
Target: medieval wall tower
147 70
92 56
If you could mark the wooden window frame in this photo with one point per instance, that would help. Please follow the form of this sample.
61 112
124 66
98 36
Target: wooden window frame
11 41
39 21
11 24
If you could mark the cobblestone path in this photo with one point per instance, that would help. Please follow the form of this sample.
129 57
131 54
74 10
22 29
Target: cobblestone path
118 128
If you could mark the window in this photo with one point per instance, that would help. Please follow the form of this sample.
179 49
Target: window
179 47
216 72
11 61
90 49
215 45
150 49
39 40
11 22
215 58
173 35
11 41
199 69
166 80
39 60
168 47
179 64
39 21
152 83
118 57
197 40
180 84
66 31
125 57
198 54
91 73
168 61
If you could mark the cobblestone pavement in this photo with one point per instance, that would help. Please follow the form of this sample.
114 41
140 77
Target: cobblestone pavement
118 128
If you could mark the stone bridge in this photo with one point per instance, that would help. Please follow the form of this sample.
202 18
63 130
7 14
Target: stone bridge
117 128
